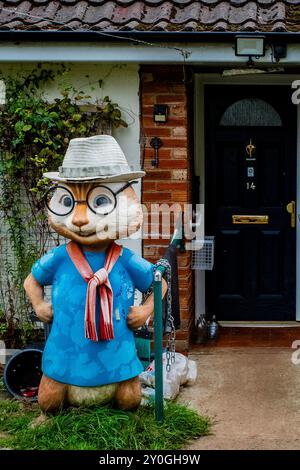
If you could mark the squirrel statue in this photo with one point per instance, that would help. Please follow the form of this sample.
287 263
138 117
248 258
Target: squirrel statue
90 355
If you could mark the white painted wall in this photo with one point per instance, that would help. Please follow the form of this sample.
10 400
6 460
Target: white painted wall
119 81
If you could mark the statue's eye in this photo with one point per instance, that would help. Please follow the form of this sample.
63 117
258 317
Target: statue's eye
101 201
66 201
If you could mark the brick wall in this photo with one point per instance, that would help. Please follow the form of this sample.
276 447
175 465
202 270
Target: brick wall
171 182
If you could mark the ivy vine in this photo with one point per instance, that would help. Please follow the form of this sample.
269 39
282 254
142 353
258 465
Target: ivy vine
34 135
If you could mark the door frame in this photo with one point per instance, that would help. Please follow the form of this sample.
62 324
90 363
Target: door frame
199 164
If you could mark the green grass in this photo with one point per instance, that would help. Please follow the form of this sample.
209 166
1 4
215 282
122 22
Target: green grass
99 428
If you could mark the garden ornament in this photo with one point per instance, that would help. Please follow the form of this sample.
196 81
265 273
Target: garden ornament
90 355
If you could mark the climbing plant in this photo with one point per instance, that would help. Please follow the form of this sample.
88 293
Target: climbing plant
34 135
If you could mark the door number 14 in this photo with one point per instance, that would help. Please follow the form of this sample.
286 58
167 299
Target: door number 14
250 186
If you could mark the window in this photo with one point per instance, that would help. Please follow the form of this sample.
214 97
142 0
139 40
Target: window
251 112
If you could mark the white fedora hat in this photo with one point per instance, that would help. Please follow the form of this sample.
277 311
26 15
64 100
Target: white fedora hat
97 158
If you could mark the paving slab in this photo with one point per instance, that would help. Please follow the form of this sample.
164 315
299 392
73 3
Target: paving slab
253 395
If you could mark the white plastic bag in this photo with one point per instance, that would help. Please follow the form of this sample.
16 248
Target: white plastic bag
183 371
192 372
148 395
181 367
171 384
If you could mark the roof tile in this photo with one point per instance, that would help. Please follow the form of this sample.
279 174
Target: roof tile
156 15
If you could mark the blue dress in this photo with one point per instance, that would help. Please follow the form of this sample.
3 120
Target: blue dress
69 357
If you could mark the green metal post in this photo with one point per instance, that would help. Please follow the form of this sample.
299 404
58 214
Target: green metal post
178 241
158 343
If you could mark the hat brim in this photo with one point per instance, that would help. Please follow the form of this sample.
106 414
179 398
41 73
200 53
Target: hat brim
54 176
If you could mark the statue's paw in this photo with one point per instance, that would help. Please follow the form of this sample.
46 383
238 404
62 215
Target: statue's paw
137 317
39 421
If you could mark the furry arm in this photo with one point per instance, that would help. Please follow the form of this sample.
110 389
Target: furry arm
35 293
138 315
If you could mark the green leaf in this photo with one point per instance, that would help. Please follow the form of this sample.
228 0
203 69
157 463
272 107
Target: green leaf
34 135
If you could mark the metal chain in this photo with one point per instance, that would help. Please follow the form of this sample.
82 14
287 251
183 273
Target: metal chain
170 327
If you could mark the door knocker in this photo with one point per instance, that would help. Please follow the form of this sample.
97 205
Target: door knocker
250 149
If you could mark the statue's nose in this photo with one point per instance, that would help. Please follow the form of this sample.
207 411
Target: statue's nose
80 215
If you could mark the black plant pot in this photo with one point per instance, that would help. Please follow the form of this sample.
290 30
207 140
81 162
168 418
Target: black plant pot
22 374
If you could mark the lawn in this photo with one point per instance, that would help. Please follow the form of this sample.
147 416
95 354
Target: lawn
99 428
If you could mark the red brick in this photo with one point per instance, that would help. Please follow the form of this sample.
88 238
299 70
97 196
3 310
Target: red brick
171 185
147 77
180 152
174 143
162 153
163 87
151 259
157 174
185 323
182 334
184 261
177 110
172 207
149 186
187 297
179 131
173 121
186 280
148 99
182 346
147 121
156 197
173 164
146 204
158 131
184 302
187 294
148 165
155 242
180 196
186 284
180 98
183 272
147 110
179 175
183 298
177 121
184 266
184 313
154 87
162 251
150 251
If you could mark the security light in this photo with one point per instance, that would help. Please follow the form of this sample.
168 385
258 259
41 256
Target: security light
250 46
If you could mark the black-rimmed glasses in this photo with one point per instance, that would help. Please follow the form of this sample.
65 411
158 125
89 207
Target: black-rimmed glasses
100 199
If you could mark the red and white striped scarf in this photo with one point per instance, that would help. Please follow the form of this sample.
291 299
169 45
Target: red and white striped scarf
99 280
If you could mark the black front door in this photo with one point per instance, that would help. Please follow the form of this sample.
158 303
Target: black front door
250 169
